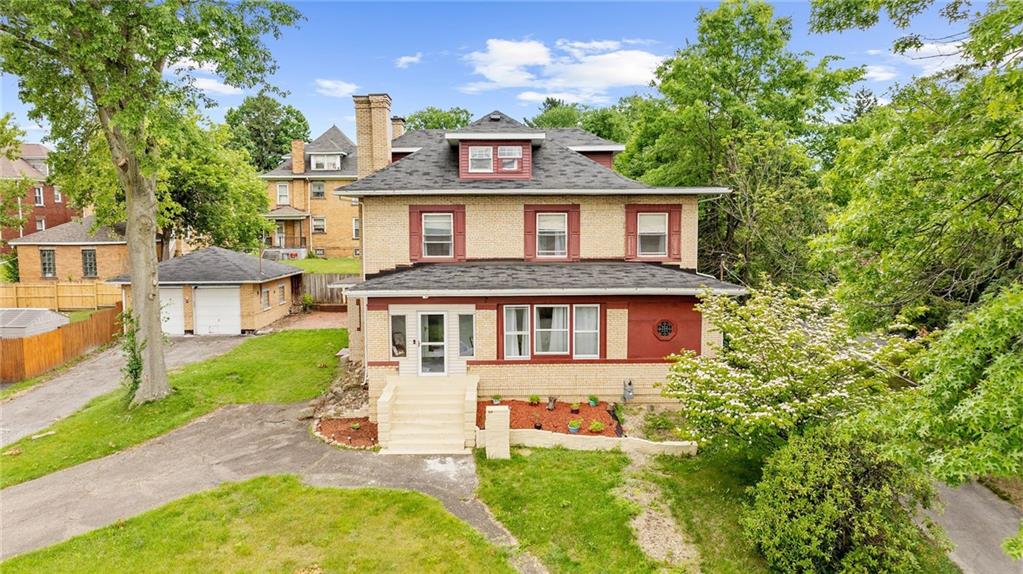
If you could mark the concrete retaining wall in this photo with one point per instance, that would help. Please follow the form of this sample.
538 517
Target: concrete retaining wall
547 439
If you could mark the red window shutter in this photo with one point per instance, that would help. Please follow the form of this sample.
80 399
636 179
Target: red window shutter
675 232
529 233
415 233
630 231
573 233
459 217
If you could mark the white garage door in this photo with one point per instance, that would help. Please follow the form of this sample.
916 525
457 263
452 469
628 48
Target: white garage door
217 311
172 310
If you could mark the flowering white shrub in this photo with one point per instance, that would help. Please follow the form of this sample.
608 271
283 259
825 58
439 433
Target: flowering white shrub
787 362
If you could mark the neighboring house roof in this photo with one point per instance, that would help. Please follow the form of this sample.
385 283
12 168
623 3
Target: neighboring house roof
286 212
78 231
556 169
18 168
217 265
34 151
528 278
331 141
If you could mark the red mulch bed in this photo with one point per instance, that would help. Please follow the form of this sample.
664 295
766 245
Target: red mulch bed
341 432
523 416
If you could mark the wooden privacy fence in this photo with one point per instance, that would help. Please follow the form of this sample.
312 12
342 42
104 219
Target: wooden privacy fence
315 284
62 296
26 357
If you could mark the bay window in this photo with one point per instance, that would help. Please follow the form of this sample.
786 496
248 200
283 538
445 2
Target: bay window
516 331
438 235
551 329
586 331
551 234
652 230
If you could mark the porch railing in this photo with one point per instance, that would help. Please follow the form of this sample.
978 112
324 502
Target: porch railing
286 241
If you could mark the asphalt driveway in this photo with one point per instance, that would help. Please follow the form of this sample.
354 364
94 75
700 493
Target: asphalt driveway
48 402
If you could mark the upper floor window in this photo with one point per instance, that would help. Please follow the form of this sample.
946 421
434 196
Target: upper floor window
319 225
317 190
283 193
510 157
48 262
551 234
481 159
89 263
40 223
39 195
438 235
325 162
652 229
58 197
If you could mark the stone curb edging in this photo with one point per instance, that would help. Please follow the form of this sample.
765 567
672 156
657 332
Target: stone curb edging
546 439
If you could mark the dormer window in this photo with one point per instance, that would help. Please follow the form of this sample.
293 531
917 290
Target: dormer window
325 162
481 159
510 157
495 159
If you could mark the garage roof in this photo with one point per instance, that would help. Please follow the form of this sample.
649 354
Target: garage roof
16 323
217 265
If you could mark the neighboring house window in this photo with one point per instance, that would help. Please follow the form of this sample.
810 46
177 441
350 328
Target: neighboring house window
466 335
89 263
510 157
281 296
265 298
40 223
481 159
317 190
283 193
356 228
319 225
438 235
652 229
39 195
358 252
48 261
319 252
586 331
397 335
58 197
551 234
551 329
516 331
325 162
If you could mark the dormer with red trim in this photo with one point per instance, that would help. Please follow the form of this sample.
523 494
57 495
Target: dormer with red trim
495 148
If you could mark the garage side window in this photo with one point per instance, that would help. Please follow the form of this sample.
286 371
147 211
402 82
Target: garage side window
281 297
89 263
48 261
265 298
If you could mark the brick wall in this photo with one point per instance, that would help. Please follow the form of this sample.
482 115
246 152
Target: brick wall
111 261
54 213
338 241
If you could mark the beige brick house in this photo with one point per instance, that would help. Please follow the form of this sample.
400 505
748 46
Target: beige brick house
504 259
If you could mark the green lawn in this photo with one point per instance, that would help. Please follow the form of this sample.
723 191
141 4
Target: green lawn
80 315
345 265
282 367
560 506
278 524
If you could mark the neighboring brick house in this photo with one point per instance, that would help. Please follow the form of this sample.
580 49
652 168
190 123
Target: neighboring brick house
308 217
504 259
43 205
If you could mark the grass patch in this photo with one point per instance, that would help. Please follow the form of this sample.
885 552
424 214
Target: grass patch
344 265
80 315
560 506
282 367
278 524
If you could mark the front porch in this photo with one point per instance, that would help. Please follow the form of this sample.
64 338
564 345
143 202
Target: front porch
289 239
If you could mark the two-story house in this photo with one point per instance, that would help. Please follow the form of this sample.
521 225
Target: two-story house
308 217
500 259
43 205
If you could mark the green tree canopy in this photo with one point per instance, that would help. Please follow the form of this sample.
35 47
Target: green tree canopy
11 189
555 113
265 128
433 118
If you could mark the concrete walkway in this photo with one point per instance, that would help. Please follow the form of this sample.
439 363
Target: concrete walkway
48 402
232 444
977 522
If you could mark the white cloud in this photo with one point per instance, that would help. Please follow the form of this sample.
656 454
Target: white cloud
406 61
575 71
935 57
880 73
335 88
216 86
188 64
875 52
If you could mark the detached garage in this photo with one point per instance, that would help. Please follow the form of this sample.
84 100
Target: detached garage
216 291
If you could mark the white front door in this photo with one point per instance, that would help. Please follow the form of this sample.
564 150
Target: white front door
217 311
433 347
172 310
280 235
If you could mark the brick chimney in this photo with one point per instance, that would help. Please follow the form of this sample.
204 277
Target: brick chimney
397 127
371 131
297 156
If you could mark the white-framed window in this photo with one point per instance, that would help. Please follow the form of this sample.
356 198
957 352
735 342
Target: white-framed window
652 232
398 330
58 197
325 162
551 234
481 159
319 252
48 262
551 327
516 331
319 224
510 157
317 190
265 298
356 228
40 224
282 297
283 193
438 235
586 331
467 335
39 195
89 262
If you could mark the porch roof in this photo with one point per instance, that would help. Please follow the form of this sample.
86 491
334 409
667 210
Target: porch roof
496 278
286 212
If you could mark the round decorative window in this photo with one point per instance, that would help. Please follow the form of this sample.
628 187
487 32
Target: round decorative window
664 329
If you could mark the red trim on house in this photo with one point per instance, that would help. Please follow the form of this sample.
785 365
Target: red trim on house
567 361
604 158
382 363
610 301
529 225
415 234
525 170
674 212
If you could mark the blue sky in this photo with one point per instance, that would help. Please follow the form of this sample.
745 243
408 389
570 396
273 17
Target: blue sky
508 56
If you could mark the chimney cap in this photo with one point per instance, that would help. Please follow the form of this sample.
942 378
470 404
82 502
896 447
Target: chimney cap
397 118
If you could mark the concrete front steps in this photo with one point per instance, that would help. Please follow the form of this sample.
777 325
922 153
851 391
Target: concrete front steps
427 415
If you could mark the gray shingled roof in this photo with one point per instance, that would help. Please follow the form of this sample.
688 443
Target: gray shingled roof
568 137
496 122
332 140
217 265
75 231
286 211
517 277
